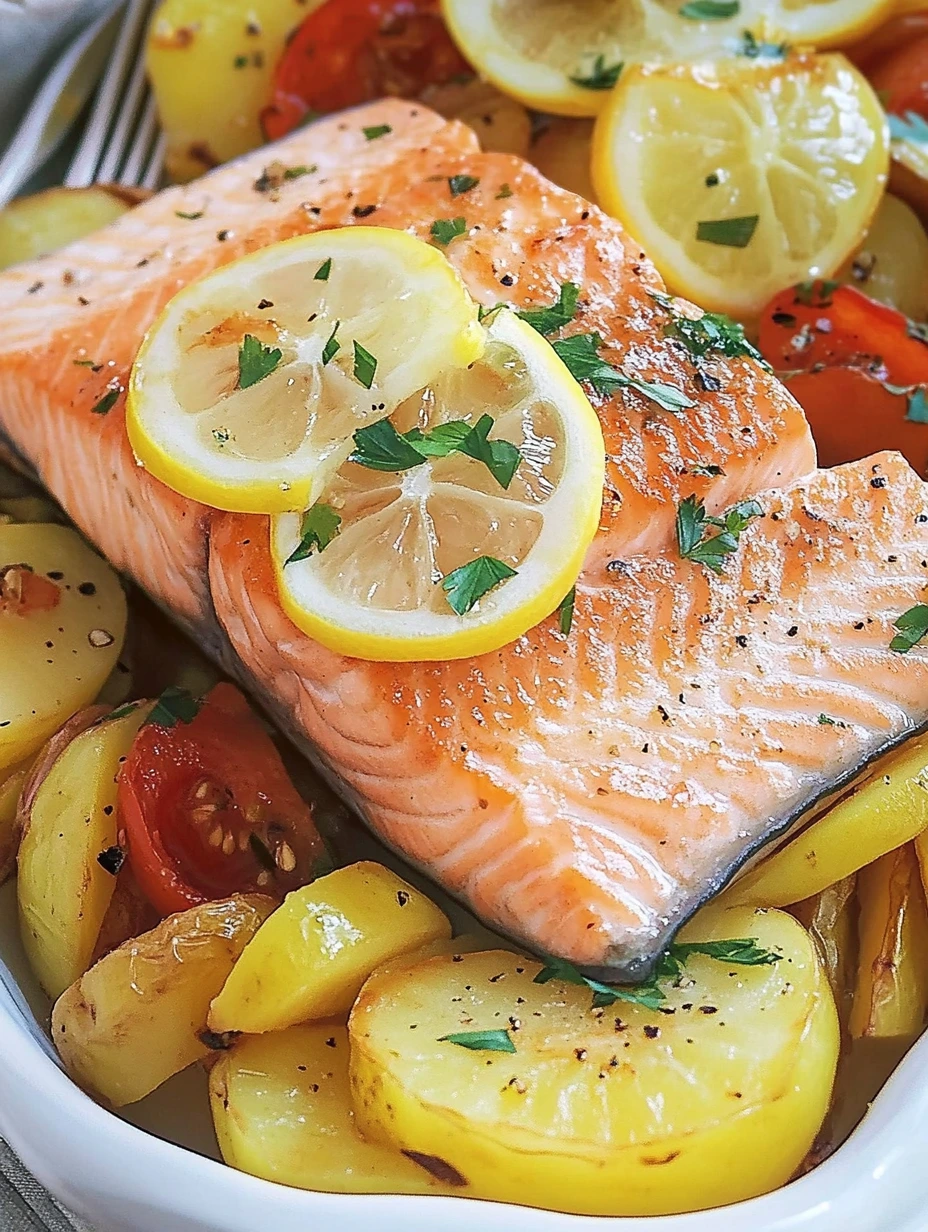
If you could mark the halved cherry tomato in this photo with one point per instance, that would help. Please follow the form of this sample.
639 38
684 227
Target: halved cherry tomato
352 51
901 79
208 808
898 32
845 357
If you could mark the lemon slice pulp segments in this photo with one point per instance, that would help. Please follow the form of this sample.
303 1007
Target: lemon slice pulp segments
743 178
240 398
541 51
376 590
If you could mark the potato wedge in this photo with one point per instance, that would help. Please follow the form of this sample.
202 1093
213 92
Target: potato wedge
891 997
211 64
62 624
908 176
622 1111
32 226
563 152
831 918
887 809
10 787
891 264
314 953
139 1015
502 124
64 888
282 1110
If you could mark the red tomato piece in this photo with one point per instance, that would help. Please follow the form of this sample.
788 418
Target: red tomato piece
209 810
349 52
901 79
893 34
858 368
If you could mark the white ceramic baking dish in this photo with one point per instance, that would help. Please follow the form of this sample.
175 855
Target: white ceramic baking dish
124 1177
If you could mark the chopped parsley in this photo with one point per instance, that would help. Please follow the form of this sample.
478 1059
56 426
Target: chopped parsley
557 315
648 995
580 353
468 584
256 361
318 528
911 127
565 611
194 214
444 230
912 626
504 192
221 436
713 331
240 62
711 10
365 365
377 130
460 184
826 720
332 346
729 232
602 76
175 705
918 406
816 294
693 523
322 273
742 951
84 363
481 1041
753 49
380 447
105 404
295 173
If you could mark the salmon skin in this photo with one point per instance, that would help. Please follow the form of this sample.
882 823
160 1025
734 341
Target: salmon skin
583 793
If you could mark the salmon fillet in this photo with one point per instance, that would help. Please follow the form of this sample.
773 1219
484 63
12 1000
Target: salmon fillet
583 794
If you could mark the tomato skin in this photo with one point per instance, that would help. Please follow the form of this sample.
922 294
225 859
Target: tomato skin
882 43
349 52
206 804
902 78
837 355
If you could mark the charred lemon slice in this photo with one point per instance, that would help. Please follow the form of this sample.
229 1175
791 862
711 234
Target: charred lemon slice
564 56
741 178
247 389
458 522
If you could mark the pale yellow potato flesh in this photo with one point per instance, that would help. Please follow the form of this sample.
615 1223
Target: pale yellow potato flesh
139 1014
831 918
211 63
623 1111
10 786
54 662
282 1111
32 226
888 809
891 995
891 264
62 888
317 949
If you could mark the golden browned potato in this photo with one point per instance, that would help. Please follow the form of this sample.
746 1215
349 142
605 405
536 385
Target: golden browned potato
62 624
68 856
282 1110
891 264
563 153
530 1094
33 226
502 124
886 810
211 63
139 1015
891 997
831 918
312 956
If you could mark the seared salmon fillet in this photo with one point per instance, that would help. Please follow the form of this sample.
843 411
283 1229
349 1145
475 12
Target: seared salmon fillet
583 793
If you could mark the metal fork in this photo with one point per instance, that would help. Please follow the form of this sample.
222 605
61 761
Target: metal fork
121 141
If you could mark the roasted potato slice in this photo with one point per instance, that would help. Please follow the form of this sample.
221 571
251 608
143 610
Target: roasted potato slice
33 226
615 1111
831 918
282 1110
139 1015
891 997
62 624
312 956
886 810
10 787
68 857
891 263
211 64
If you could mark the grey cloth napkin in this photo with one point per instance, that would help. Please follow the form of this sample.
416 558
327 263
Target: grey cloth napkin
24 1204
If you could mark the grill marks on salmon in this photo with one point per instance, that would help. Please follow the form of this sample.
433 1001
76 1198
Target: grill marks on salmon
585 793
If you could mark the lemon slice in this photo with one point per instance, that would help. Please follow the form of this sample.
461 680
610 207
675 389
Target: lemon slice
248 387
743 178
564 56
443 559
